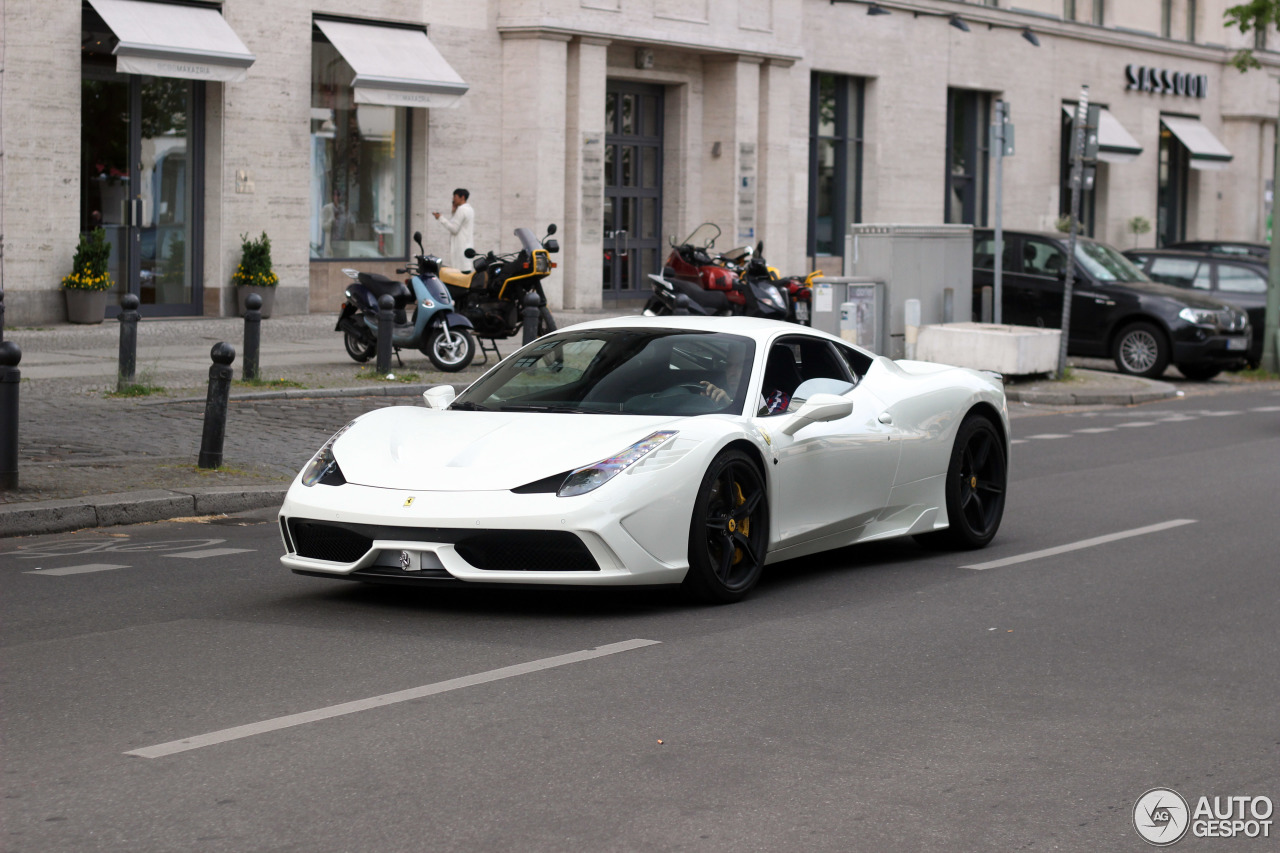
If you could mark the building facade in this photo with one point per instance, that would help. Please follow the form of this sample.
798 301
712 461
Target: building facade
183 127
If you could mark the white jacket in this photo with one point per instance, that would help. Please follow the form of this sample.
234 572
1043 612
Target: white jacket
462 227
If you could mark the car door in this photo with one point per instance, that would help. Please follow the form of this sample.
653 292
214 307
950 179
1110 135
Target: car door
829 477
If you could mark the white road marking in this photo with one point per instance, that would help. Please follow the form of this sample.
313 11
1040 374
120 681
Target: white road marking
76 570
1049 435
1175 419
1084 543
211 552
1209 414
164 749
1094 430
1018 441
1266 409
1136 424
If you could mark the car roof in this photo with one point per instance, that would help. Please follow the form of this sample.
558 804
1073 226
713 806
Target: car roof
1196 254
751 327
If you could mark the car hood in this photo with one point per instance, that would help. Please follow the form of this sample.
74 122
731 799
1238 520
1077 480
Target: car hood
1183 295
419 449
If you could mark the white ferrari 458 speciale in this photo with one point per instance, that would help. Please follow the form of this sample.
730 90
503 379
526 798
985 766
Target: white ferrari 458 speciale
672 450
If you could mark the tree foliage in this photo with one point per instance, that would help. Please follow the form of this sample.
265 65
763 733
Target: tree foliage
1251 17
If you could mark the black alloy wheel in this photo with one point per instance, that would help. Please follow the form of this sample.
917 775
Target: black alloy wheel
1198 372
1141 350
357 348
977 477
729 531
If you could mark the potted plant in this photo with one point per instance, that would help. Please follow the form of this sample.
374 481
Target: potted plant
254 275
89 282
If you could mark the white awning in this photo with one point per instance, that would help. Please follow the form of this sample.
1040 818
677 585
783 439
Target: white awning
172 40
1205 149
395 66
1115 144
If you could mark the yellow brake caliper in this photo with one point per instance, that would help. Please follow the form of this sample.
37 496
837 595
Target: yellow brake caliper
744 525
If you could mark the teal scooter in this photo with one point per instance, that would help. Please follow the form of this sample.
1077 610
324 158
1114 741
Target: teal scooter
425 316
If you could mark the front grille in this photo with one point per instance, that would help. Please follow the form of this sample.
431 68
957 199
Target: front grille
527 551
330 542
488 550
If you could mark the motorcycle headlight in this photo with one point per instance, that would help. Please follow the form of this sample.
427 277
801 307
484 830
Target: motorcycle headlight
775 296
1199 316
591 477
323 467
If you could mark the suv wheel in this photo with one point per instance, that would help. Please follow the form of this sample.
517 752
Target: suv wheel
1141 349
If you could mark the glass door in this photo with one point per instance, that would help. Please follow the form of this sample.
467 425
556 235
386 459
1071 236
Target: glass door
633 189
140 182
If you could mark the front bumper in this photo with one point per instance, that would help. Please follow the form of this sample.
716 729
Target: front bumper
393 535
1217 349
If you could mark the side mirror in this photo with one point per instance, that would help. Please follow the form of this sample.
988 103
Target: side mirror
551 246
439 397
818 408
551 229
469 252
417 238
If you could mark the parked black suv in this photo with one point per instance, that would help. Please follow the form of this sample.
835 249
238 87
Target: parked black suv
1237 279
1116 310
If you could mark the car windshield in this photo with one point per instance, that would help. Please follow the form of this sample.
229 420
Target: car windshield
1105 263
619 371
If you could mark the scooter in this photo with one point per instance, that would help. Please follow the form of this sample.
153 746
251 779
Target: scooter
492 297
434 326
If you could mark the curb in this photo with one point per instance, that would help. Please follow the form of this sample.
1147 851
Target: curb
1153 390
40 517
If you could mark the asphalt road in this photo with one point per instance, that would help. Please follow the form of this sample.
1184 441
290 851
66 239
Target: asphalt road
878 698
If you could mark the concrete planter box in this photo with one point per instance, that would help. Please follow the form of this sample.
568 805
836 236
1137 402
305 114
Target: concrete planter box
86 306
1011 350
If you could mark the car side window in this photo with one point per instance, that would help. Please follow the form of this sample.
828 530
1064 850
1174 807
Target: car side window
1180 272
984 255
858 363
1043 258
1238 279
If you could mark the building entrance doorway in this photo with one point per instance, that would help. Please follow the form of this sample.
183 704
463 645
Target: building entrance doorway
632 189
140 182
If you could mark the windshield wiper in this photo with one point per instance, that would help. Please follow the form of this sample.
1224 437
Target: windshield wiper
467 406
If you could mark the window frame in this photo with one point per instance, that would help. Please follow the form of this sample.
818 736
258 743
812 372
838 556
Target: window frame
848 139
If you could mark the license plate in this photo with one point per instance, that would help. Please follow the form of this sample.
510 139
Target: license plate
802 312
1237 343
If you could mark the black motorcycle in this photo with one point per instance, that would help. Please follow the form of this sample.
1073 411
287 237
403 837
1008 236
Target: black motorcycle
755 283
493 297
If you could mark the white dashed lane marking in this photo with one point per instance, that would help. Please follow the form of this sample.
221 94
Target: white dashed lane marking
77 570
1266 409
1084 543
252 729
1095 430
1049 436
211 552
1137 424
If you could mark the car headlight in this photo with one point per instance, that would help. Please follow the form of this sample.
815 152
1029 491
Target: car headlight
591 477
323 467
1199 316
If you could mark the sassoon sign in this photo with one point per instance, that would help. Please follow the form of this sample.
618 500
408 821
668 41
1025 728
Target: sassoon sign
1162 81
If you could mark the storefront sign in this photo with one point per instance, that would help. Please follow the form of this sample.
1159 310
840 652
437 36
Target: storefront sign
1162 81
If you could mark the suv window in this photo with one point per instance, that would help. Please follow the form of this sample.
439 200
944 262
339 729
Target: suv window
1180 272
1105 263
1238 279
984 251
1040 257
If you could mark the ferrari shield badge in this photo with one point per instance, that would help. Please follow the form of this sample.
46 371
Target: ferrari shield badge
408 502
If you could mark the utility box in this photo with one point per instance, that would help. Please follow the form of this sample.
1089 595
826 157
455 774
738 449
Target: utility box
852 308
914 262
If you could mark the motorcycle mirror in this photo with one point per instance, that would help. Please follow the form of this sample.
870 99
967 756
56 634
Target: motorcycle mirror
469 252
551 246
551 229
760 248
417 238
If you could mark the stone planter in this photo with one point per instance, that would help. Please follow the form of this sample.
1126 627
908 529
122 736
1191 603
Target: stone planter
86 306
268 295
1011 350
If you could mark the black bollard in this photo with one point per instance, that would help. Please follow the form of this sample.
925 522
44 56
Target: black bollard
215 407
386 328
532 302
129 317
1 315
10 379
252 337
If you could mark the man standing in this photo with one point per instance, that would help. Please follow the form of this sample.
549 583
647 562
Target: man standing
462 226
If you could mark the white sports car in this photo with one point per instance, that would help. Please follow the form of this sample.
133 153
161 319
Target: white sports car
655 451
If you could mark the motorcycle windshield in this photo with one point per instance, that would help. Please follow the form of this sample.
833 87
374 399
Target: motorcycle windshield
704 236
528 240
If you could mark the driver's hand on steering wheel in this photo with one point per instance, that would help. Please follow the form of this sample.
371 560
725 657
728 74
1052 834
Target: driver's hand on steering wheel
715 392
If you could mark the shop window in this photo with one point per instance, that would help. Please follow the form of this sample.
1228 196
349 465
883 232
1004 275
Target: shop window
359 165
968 117
835 160
1171 192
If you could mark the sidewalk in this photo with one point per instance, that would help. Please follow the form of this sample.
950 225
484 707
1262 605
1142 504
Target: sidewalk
88 459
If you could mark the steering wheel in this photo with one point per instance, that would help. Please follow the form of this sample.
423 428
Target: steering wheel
691 387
